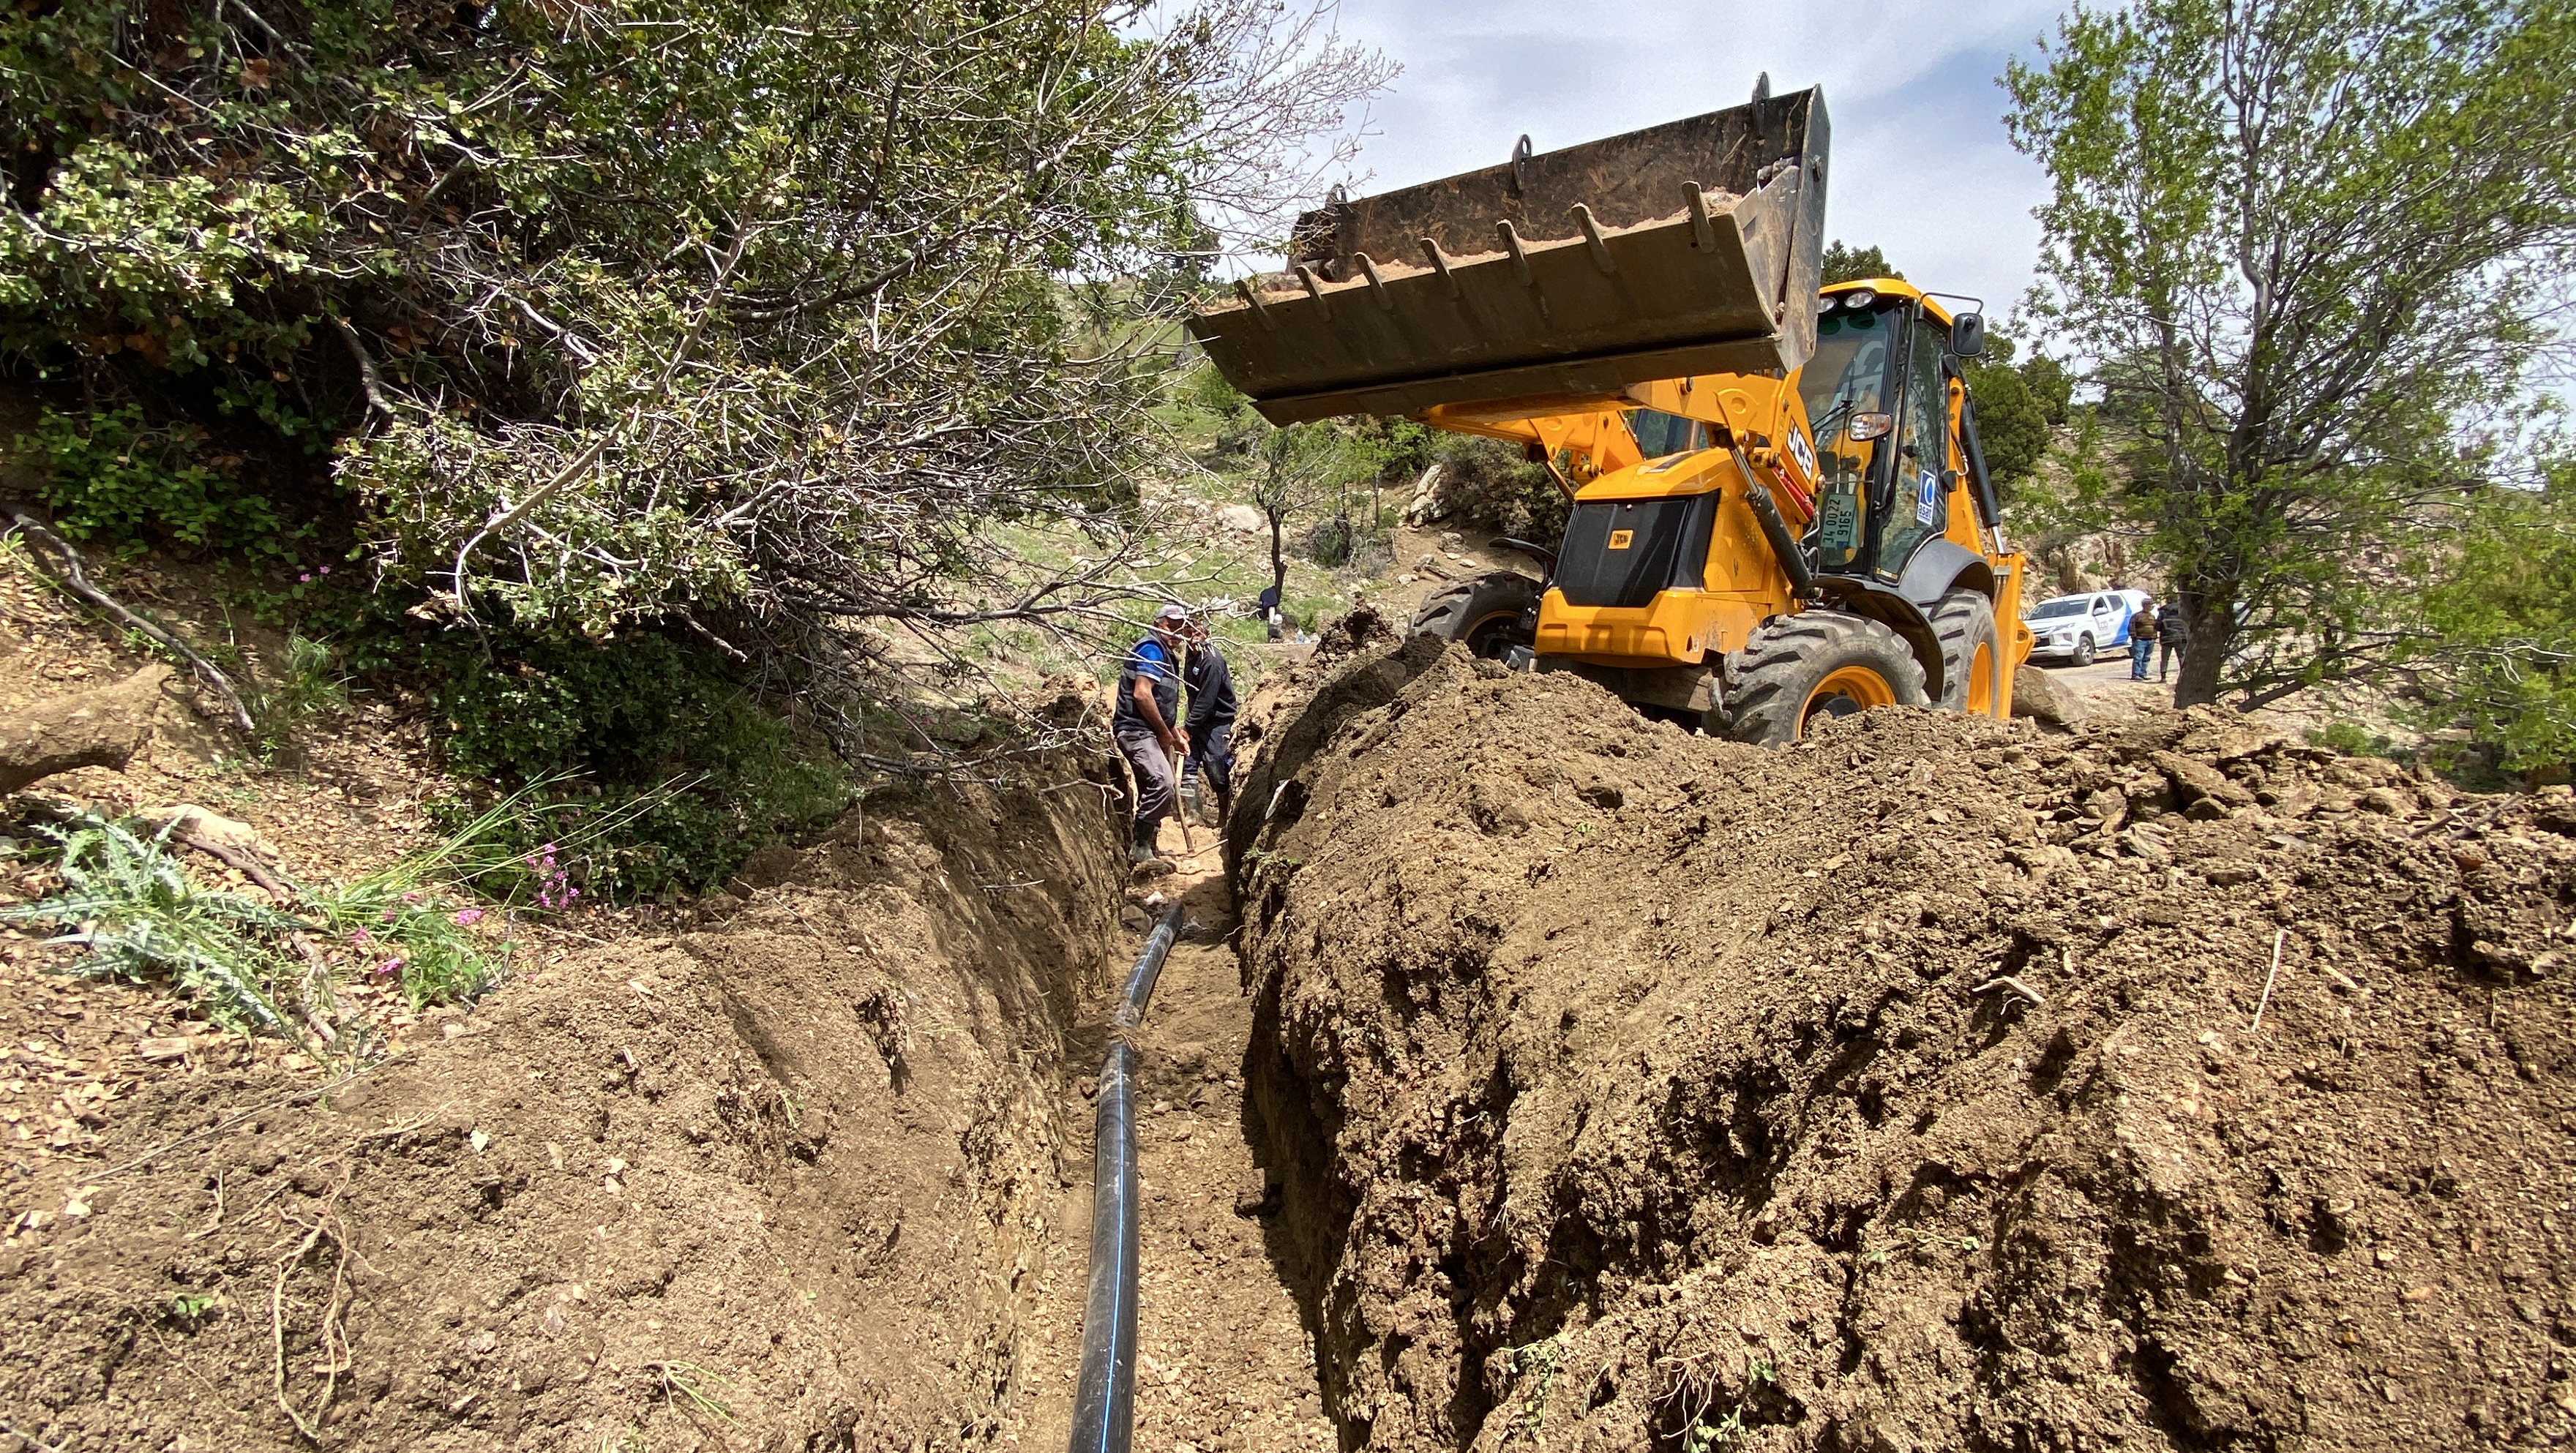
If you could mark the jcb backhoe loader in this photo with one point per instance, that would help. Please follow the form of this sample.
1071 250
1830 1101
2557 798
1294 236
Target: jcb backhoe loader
1780 507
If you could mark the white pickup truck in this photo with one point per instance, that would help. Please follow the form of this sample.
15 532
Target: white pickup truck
2073 628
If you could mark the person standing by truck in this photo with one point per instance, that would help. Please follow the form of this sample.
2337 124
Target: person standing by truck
2142 638
2173 633
1149 702
1211 719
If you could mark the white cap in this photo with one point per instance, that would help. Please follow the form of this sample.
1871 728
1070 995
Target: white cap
1174 612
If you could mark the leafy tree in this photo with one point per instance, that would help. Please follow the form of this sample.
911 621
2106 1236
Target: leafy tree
2303 239
1846 264
749 312
2018 406
1301 469
2496 648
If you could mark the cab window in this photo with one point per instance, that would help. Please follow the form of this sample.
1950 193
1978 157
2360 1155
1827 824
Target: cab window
1845 378
1918 505
1659 434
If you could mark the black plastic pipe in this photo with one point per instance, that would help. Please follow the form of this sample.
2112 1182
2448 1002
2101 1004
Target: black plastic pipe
1104 1400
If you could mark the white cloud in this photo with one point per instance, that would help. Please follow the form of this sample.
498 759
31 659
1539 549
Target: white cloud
1921 165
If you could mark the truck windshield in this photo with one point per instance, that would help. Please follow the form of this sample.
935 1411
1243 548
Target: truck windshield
1847 376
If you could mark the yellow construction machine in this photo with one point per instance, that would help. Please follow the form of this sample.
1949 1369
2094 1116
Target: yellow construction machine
1779 505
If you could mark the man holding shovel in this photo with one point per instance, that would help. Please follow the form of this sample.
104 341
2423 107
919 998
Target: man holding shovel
1149 702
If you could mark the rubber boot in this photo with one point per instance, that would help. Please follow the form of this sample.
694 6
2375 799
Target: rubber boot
1140 842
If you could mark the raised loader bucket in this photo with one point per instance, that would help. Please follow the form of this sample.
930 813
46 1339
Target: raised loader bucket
1687 248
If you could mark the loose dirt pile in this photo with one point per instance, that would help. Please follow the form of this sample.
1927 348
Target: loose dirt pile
1632 1089
783 1180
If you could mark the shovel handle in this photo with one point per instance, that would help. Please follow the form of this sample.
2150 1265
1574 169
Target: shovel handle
1189 840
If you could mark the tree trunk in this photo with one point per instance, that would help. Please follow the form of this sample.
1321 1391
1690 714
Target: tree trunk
1278 559
2204 650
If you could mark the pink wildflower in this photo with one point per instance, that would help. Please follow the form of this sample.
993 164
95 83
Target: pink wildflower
389 968
357 935
467 917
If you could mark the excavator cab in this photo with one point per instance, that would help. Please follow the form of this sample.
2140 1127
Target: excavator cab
1892 442
1780 509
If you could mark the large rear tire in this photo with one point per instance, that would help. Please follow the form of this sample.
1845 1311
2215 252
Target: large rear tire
1489 614
1814 664
1972 653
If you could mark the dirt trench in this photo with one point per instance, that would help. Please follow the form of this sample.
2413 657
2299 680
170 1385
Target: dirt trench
1903 1090
1224 1361
788 1178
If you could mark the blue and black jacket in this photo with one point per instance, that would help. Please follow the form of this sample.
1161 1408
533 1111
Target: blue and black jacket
1151 660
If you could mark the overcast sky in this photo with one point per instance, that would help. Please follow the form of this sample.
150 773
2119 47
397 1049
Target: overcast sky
1921 165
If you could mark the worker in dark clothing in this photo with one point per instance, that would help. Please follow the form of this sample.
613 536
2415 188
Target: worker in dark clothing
1149 703
2142 638
2172 633
1211 722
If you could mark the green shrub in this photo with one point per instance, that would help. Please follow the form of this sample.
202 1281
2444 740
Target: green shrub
2495 656
1491 484
109 477
1330 540
2348 737
682 774
132 903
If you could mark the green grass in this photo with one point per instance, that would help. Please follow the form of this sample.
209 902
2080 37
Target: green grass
2349 737
289 695
696 1383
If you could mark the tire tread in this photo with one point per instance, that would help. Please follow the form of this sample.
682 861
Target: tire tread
1777 668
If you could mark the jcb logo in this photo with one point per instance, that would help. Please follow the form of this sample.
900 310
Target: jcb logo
1619 538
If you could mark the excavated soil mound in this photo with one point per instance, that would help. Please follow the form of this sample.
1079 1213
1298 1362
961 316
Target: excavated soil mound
1635 1090
784 1181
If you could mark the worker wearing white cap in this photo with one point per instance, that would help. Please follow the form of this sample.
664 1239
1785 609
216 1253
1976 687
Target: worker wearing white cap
1149 703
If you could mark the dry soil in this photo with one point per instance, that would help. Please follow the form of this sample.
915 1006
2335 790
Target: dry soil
1903 1089
783 1179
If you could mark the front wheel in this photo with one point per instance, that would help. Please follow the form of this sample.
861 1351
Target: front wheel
1489 614
1972 653
1817 663
2083 651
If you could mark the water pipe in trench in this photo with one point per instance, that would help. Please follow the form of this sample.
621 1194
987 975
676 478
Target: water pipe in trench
1104 1402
